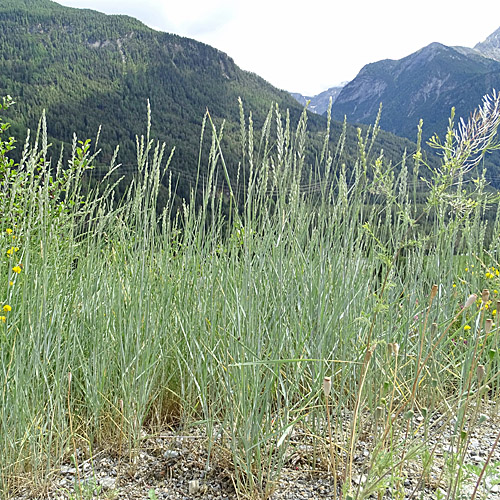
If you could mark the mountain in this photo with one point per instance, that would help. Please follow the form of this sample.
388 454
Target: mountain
425 84
320 102
491 46
88 69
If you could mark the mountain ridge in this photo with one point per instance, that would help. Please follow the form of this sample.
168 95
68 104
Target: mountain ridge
491 46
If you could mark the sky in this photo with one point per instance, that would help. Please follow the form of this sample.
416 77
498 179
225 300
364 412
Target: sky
310 46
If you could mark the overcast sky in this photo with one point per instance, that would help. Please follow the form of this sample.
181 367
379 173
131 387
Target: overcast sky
309 46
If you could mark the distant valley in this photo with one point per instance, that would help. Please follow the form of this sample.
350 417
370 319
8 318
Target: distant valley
319 103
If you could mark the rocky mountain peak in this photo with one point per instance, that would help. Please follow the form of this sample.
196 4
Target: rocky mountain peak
425 84
491 46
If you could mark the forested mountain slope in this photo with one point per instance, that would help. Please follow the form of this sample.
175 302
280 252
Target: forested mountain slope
88 69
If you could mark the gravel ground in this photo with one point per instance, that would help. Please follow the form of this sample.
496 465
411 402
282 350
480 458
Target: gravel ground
172 466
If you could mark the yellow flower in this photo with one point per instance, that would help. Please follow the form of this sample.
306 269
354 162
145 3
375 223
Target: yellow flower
3 318
466 268
8 230
11 283
495 291
454 285
17 269
466 327
11 250
489 275
7 308
494 312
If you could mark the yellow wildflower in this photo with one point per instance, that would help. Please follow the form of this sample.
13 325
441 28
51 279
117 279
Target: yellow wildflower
7 308
8 230
3 319
466 327
466 268
454 285
11 250
494 312
16 269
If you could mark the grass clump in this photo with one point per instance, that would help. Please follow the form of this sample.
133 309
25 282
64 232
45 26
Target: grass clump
229 313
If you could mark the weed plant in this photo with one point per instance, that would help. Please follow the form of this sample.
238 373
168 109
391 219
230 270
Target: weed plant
229 314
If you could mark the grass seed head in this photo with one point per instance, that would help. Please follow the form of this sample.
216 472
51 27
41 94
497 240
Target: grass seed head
327 386
472 298
480 372
488 324
434 291
395 348
389 348
485 296
368 354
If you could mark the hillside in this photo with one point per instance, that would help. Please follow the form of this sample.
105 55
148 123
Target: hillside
88 69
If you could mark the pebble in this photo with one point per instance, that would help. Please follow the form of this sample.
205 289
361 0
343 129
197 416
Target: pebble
177 468
108 483
194 487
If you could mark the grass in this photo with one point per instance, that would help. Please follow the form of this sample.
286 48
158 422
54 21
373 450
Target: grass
230 313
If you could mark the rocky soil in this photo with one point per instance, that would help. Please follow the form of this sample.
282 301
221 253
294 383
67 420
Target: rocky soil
171 466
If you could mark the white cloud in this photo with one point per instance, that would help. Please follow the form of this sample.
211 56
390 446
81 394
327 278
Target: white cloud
197 17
